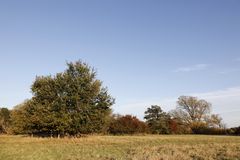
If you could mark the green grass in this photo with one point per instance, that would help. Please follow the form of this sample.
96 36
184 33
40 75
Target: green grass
173 147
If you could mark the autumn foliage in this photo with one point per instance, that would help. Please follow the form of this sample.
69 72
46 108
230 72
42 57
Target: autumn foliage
127 124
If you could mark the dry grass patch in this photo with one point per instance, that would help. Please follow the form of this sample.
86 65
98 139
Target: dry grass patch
148 147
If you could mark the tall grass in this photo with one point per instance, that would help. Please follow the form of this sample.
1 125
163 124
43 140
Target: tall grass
187 147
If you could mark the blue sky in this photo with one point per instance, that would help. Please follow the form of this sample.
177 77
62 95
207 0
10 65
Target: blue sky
146 52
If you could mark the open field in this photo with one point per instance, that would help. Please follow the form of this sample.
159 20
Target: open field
171 147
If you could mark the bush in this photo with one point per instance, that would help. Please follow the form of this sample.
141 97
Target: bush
203 128
4 120
127 124
234 131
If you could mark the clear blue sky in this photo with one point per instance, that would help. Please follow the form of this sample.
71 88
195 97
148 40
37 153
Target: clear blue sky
146 52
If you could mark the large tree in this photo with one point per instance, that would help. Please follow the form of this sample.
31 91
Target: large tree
194 109
71 102
157 120
195 113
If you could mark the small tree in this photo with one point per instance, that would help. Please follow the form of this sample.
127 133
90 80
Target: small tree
24 119
4 120
214 121
157 120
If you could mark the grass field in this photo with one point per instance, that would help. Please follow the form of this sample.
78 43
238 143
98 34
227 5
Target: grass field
121 147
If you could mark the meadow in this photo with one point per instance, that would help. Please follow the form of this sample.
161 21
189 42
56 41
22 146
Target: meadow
148 147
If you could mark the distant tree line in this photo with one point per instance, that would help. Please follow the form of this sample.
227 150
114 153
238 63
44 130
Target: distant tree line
74 102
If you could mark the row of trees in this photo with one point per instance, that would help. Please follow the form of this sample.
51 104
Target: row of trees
157 122
192 116
74 102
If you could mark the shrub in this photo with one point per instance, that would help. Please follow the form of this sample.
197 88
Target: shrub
127 124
